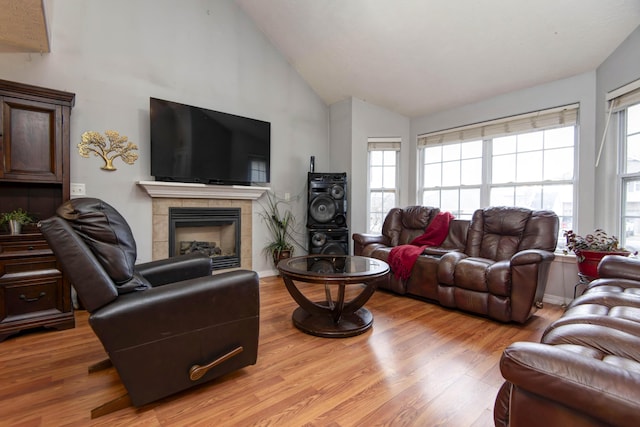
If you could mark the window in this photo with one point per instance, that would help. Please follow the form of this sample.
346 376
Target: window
453 177
382 183
525 161
627 109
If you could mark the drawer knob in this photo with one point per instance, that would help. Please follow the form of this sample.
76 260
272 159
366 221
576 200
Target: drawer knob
30 248
24 297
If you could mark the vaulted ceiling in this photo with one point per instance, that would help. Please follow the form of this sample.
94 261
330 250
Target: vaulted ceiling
421 56
411 56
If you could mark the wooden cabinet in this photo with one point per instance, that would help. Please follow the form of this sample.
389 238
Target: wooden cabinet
33 291
34 176
30 145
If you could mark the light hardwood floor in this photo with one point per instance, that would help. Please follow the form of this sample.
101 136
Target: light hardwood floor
420 365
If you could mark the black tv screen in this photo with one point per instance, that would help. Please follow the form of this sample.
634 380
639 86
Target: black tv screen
192 144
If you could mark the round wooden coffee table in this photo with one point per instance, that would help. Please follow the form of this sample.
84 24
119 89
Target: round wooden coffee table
333 317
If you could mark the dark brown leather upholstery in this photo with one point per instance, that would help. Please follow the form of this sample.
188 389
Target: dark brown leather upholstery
586 369
496 265
504 268
156 320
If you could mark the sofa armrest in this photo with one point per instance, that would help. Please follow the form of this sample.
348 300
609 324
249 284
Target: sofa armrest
362 240
603 391
175 269
177 308
619 267
437 251
447 267
532 256
365 239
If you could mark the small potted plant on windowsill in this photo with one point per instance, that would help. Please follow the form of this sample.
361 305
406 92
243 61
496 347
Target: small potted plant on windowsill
16 219
591 248
280 225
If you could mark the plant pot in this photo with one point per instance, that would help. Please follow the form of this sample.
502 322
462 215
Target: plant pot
280 255
588 261
15 226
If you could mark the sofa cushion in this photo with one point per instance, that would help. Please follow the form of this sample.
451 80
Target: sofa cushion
392 226
495 232
415 220
470 273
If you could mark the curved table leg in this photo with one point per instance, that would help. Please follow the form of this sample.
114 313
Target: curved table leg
331 319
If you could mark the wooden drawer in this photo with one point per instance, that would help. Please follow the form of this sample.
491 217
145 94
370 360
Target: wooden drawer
13 265
22 242
16 246
30 295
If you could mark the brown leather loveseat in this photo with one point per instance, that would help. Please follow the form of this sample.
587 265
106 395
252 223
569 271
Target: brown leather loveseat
495 265
586 369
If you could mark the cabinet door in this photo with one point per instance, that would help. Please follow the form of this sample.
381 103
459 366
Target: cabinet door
31 141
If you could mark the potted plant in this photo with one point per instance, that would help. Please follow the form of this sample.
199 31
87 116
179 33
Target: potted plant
279 225
16 219
591 248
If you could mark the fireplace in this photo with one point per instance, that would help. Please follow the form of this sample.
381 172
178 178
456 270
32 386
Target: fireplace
213 231
166 195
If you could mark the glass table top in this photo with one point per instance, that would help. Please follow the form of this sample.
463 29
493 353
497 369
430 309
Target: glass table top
333 266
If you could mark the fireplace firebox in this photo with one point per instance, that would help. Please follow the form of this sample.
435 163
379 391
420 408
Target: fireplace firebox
212 231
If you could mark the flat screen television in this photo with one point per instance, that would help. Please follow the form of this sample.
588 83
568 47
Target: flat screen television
192 144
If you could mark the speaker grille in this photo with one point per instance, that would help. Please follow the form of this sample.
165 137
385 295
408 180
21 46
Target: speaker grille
329 242
327 201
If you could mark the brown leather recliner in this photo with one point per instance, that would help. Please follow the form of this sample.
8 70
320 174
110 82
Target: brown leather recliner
166 325
586 369
504 268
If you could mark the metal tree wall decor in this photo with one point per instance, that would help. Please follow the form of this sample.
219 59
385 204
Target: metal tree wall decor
119 146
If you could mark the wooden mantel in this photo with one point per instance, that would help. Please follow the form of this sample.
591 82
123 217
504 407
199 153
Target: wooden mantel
201 191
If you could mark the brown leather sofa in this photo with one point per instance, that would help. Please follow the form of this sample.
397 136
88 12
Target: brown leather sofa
495 265
166 325
586 369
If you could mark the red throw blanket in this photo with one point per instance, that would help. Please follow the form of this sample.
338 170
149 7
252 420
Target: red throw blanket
403 257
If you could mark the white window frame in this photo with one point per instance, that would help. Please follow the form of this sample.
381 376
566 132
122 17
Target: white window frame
619 102
540 120
382 144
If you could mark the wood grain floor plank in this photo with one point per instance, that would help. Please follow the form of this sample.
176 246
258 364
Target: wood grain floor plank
420 364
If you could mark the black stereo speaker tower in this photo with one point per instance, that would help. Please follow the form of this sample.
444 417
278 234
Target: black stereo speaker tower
329 242
327 208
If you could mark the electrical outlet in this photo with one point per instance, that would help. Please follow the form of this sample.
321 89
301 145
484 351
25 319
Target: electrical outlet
78 189
287 196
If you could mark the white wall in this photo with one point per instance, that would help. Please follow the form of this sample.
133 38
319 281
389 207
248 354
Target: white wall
353 122
116 54
372 121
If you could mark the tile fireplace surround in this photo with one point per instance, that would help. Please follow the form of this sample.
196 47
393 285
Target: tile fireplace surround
165 195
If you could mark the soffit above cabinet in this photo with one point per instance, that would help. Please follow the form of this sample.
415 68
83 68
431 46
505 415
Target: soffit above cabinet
23 26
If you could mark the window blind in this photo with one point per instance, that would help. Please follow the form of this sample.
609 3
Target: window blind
555 117
375 144
619 99
625 100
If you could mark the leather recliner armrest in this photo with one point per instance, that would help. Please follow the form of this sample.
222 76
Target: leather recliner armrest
177 308
175 269
365 244
447 267
572 379
532 256
367 239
